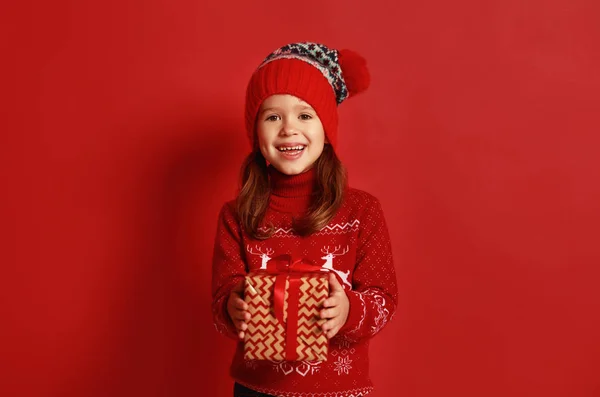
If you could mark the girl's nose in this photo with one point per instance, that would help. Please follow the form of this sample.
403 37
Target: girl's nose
288 127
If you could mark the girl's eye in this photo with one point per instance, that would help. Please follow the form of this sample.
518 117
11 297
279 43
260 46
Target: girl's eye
305 116
273 117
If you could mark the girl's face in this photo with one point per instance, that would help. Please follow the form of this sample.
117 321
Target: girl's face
290 134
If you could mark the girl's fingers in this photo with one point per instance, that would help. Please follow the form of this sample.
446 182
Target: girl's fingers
331 333
239 304
331 301
241 315
240 325
330 313
330 325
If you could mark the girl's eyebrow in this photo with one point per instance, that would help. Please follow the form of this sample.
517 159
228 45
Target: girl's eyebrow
266 110
299 107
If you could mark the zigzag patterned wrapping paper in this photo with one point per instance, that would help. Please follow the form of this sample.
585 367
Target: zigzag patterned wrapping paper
265 338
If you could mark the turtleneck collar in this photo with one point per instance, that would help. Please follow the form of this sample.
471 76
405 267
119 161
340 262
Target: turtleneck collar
291 193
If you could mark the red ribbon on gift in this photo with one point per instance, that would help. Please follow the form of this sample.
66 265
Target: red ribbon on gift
286 268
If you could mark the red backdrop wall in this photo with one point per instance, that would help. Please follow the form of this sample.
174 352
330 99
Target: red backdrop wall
123 135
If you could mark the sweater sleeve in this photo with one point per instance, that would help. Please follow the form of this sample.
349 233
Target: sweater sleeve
228 268
374 295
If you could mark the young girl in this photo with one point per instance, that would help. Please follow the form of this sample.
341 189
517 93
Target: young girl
294 199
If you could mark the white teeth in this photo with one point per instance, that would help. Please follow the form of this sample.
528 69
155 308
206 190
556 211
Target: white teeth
294 148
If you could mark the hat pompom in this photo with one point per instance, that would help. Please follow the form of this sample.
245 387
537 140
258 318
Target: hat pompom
355 71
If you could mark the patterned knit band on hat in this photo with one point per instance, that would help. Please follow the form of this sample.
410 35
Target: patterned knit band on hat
321 76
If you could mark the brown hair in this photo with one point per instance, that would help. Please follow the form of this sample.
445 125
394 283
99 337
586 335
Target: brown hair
253 198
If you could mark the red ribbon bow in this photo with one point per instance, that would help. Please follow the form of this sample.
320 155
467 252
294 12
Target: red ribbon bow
287 268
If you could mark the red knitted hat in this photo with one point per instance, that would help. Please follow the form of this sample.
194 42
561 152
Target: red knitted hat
318 75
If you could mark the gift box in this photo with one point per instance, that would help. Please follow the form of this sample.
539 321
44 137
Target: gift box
284 303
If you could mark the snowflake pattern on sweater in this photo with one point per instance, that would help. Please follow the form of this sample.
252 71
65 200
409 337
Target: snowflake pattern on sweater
356 246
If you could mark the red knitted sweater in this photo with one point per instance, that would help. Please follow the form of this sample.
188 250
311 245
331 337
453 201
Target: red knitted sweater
355 244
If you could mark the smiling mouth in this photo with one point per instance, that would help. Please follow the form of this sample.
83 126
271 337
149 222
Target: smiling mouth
298 148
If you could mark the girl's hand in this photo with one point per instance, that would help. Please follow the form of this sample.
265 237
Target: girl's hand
336 308
238 309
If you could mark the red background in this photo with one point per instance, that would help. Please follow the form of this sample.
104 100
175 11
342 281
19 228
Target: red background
122 136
